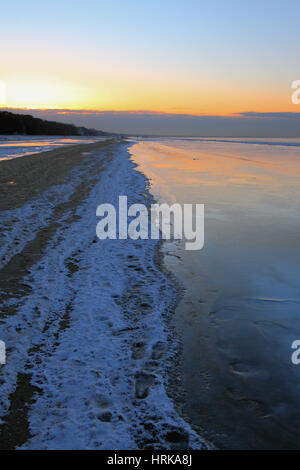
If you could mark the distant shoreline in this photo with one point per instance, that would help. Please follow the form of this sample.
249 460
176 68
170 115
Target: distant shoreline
25 124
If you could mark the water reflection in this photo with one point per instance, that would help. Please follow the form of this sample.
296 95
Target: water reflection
17 146
240 312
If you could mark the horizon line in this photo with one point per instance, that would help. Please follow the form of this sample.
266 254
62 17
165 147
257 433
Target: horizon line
83 111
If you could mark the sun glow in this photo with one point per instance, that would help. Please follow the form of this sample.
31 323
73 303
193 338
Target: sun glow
130 95
2 93
38 95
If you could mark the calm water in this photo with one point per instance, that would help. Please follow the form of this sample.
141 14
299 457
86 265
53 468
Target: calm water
241 309
18 146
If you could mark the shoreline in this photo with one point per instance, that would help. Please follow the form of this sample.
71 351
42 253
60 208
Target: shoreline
175 386
122 401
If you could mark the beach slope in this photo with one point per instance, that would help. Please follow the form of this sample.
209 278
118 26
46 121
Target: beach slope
84 320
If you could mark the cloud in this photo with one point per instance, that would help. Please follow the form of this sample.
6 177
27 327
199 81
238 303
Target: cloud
269 115
140 122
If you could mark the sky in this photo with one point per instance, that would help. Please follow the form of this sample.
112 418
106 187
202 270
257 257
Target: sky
118 58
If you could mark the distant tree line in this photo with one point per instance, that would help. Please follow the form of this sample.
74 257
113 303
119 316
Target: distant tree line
24 124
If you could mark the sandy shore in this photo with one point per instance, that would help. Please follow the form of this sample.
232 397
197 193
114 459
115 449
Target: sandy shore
85 321
25 177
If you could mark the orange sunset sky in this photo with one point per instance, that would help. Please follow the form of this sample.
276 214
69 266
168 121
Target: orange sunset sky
195 57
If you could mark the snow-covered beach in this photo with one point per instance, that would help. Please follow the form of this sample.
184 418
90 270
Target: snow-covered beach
85 321
137 344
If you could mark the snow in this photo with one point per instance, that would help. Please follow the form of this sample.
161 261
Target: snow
93 330
13 146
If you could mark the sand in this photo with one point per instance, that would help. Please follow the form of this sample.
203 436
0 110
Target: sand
84 320
21 180
25 177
